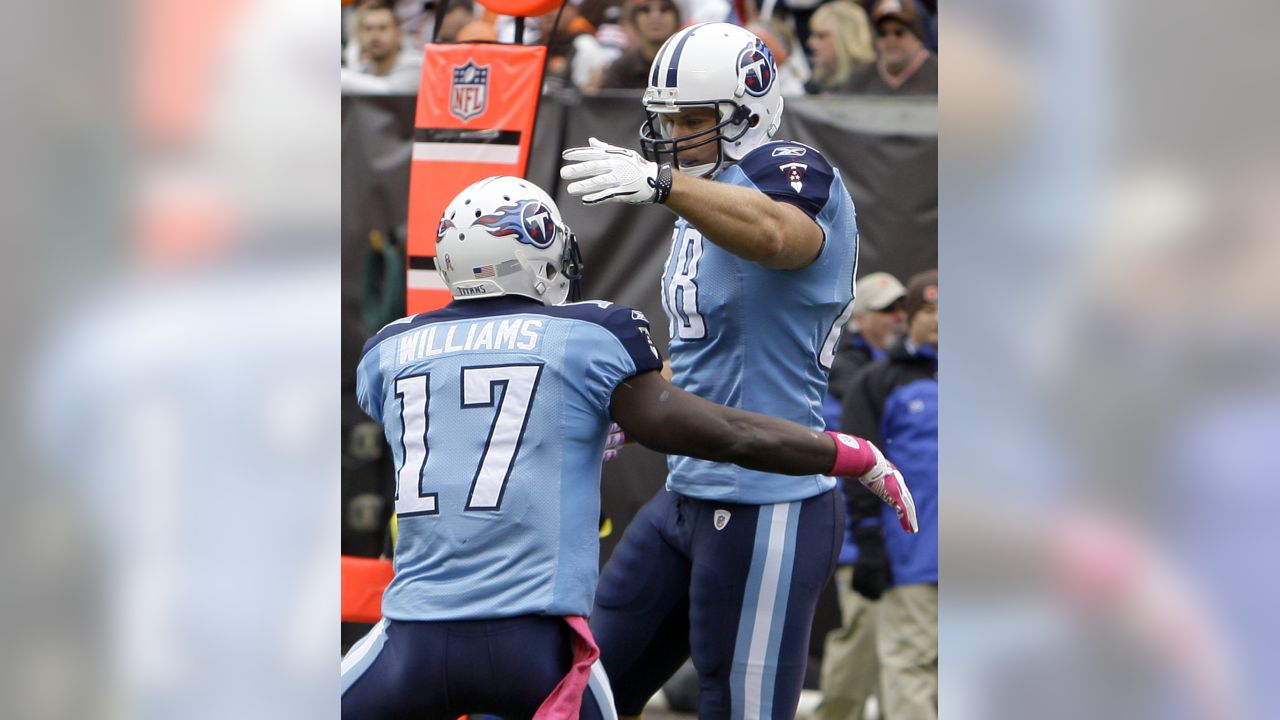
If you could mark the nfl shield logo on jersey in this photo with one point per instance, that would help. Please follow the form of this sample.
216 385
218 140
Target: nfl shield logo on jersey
721 519
470 93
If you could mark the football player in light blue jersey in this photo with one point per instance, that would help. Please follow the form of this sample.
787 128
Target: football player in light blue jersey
757 288
497 408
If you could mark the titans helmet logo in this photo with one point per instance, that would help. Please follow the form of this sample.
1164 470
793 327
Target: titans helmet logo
445 226
528 221
756 69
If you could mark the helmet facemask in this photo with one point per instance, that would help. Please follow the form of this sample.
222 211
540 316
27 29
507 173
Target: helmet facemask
720 66
657 145
571 265
556 286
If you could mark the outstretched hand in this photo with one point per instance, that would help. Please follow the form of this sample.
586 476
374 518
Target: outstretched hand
886 481
860 458
604 173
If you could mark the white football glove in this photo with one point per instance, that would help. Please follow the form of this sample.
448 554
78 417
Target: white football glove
606 173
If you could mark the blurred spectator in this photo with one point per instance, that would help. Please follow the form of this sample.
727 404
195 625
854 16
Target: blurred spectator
477 30
650 23
567 35
926 11
893 402
878 323
457 15
839 43
352 14
611 30
612 39
904 65
850 670
418 19
386 67
801 12
793 68
602 12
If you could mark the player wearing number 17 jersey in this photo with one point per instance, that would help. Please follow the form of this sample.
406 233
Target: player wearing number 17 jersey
496 409
757 286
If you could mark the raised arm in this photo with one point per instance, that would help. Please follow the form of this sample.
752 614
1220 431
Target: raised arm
747 222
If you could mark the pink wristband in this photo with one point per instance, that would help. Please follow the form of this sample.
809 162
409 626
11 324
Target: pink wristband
854 457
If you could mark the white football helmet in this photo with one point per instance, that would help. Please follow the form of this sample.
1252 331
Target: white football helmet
718 65
504 236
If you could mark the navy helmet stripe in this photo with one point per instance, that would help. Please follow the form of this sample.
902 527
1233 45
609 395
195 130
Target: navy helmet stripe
663 53
674 62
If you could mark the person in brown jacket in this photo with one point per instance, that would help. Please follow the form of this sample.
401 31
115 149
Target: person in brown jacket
903 66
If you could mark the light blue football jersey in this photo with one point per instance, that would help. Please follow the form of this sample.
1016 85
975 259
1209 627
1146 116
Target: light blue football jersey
758 339
497 411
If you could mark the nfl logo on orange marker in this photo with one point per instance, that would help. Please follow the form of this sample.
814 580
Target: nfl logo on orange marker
470 91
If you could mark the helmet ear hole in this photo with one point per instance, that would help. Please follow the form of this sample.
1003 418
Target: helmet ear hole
551 271
754 120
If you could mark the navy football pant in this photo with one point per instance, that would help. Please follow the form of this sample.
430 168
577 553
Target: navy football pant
432 670
735 586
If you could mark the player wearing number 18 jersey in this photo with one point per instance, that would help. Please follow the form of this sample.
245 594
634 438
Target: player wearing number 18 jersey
727 565
496 409
758 338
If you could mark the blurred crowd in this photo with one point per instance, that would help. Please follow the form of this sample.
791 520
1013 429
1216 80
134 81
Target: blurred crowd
882 662
867 47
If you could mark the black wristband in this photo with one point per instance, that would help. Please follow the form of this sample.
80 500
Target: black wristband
663 187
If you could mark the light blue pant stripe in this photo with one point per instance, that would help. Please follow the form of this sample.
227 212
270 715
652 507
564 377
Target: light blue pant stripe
362 654
763 611
746 622
598 684
780 608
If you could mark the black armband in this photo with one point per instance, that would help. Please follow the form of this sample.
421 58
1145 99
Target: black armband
663 187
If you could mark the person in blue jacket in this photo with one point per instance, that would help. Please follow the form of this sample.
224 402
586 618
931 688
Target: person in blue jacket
894 402
850 673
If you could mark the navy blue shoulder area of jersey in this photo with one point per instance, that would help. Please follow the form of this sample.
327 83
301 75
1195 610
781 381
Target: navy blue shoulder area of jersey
790 172
630 326
392 328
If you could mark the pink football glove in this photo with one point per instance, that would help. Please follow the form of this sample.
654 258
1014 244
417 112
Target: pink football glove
617 438
858 457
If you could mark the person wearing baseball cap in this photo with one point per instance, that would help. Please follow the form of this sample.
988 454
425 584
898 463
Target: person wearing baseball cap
904 65
850 669
921 306
894 402
878 321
